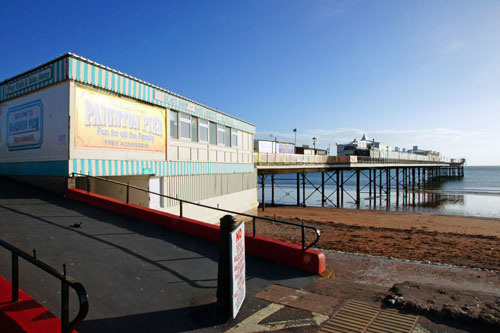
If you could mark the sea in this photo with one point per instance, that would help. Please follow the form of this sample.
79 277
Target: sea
476 194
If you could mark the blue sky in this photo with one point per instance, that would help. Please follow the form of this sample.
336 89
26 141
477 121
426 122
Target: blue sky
407 73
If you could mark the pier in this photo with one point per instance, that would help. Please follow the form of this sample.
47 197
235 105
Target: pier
379 179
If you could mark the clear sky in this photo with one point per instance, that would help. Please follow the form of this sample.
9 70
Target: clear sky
407 73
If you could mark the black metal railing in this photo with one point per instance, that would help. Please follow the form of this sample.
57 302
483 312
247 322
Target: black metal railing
302 226
66 282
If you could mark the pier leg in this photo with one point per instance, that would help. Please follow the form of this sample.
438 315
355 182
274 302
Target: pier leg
338 188
405 185
397 187
322 189
263 181
413 185
303 189
357 189
272 189
418 179
413 179
380 186
374 188
298 189
342 188
425 177
388 187
370 186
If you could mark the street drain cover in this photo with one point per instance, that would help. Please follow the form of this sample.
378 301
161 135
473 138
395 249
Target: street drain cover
360 317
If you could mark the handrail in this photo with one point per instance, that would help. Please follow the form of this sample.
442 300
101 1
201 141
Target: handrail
66 282
181 202
359 161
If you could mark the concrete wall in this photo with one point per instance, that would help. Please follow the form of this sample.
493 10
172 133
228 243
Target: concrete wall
241 202
236 192
117 191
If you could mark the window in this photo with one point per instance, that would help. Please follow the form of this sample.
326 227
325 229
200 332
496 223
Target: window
185 121
228 137
194 129
213 134
173 125
221 132
234 137
203 130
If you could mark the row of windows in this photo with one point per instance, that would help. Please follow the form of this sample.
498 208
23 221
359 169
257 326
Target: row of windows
191 128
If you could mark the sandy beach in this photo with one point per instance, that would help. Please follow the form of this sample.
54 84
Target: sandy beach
457 240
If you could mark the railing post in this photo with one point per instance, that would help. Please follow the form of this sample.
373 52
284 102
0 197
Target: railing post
303 236
64 305
128 188
180 209
15 277
253 224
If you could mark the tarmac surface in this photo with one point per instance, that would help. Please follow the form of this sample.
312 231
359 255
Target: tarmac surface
139 277
142 277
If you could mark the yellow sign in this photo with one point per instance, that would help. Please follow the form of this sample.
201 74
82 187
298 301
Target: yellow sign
108 122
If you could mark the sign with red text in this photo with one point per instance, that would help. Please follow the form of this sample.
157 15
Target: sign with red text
238 283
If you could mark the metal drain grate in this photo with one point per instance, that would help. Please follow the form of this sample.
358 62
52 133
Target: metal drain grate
359 317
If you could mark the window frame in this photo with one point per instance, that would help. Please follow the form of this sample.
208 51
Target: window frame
173 112
203 123
211 126
221 129
195 125
227 136
234 135
186 119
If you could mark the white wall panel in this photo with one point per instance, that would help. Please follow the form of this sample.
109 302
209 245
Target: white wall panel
34 127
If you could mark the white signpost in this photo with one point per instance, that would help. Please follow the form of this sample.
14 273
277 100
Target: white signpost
238 286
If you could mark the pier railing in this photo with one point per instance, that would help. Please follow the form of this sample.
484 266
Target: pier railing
299 159
301 226
66 282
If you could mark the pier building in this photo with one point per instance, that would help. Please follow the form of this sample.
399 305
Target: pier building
72 117
375 149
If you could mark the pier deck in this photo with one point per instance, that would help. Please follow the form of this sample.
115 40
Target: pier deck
377 177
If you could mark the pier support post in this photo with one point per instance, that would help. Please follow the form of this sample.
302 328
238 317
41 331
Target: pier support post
388 186
380 185
370 186
303 189
263 181
342 188
322 189
424 171
374 188
338 188
413 185
397 187
298 189
272 189
413 179
405 186
357 189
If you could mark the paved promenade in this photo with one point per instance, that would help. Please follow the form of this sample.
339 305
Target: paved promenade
139 277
